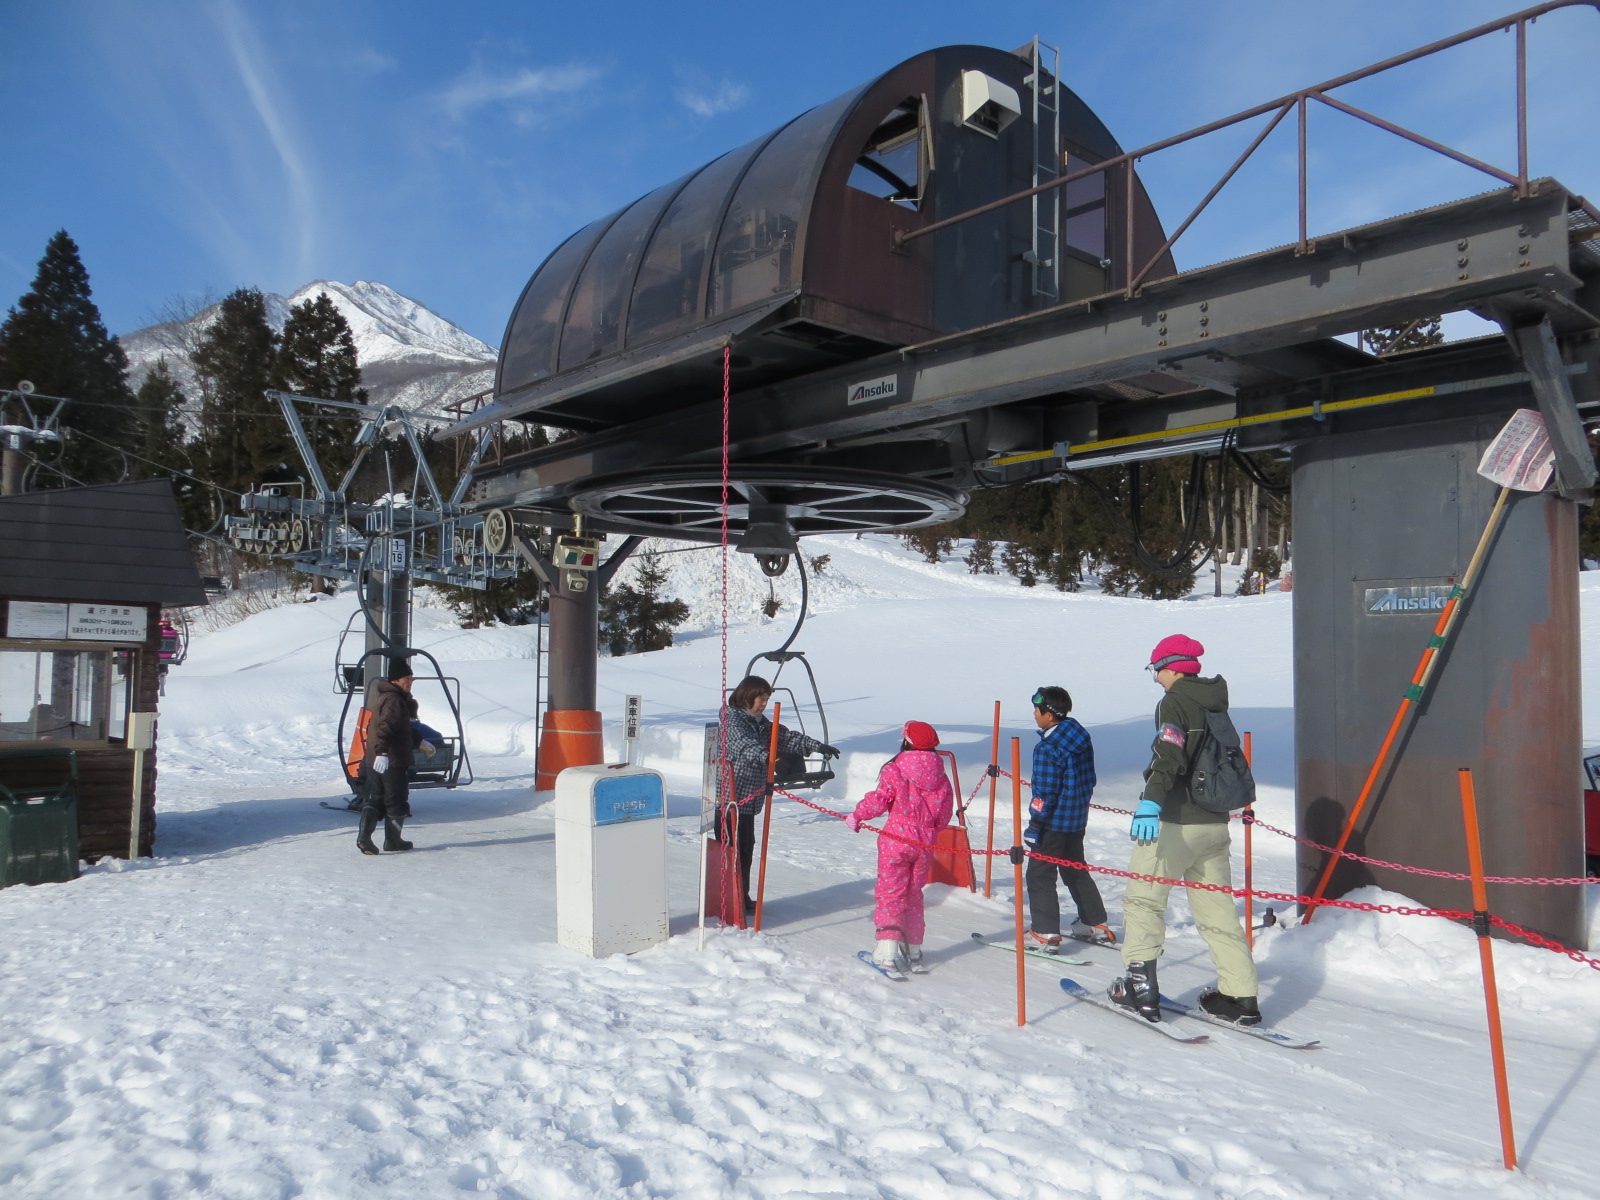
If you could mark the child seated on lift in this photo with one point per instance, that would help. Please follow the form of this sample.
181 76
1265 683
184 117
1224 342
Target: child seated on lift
915 791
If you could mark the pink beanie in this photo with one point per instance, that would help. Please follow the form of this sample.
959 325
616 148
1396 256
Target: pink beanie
1177 653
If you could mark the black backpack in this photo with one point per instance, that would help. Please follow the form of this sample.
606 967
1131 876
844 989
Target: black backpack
1219 777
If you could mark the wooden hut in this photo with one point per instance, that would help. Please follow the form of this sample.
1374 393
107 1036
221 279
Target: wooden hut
84 575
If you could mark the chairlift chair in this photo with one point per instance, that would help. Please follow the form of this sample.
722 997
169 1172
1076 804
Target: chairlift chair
814 771
449 763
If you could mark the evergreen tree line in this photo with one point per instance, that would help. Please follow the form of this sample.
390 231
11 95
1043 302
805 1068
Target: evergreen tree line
1140 529
230 435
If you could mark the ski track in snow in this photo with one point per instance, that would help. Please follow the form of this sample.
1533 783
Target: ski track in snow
261 1012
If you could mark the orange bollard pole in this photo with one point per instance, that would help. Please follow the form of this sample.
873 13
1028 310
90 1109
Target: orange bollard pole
994 778
1016 857
766 813
1249 863
1491 997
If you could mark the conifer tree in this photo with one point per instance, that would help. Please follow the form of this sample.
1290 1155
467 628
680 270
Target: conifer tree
634 618
54 337
317 357
156 433
243 440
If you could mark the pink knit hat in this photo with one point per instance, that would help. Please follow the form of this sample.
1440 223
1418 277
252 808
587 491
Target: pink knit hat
919 735
1177 653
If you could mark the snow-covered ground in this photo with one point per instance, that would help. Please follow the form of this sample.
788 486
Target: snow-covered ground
261 1012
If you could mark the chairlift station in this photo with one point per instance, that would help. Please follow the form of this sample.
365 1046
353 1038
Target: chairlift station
951 278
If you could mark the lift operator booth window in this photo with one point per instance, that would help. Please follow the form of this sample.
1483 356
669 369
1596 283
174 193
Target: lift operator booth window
64 695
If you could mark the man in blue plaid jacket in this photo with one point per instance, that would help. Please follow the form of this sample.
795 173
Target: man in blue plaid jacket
1063 781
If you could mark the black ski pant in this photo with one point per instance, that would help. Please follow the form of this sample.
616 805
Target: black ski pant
1043 907
744 836
388 795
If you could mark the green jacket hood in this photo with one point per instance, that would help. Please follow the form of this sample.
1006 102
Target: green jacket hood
1209 692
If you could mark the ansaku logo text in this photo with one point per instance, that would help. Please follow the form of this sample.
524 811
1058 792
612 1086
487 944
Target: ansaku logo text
1429 598
873 389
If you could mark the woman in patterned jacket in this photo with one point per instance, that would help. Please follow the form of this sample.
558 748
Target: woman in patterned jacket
749 739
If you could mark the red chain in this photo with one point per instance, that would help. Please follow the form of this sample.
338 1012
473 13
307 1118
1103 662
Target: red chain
1540 880
1453 914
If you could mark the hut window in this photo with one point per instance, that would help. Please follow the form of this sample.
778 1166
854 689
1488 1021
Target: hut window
63 695
891 164
1084 208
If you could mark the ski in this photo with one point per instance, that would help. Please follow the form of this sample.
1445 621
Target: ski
1276 1037
1091 942
895 974
1078 992
344 808
1011 948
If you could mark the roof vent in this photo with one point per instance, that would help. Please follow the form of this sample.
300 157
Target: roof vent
987 105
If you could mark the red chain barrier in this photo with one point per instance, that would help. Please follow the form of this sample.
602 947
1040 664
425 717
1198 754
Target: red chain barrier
1452 914
1540 881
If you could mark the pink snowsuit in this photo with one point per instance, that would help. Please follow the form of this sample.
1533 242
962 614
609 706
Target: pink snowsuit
915 791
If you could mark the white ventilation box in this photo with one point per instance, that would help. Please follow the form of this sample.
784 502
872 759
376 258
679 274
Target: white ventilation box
987 105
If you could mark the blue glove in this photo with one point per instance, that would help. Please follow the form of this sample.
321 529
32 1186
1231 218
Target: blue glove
1030 836
1146 826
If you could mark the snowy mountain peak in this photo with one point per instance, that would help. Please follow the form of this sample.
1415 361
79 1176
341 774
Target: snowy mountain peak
409 354
386 324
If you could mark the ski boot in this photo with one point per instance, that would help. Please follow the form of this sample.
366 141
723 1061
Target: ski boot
1047 943
369 822
1241 1010
888 955
391 836
1097 935
914 960
1139 991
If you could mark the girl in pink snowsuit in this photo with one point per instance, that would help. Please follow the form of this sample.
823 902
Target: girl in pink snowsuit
915 791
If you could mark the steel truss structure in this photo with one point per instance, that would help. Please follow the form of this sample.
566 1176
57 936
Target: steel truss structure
425 535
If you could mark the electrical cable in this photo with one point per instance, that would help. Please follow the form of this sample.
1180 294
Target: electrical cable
1254 472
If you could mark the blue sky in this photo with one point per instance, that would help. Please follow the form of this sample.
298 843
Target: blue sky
192 146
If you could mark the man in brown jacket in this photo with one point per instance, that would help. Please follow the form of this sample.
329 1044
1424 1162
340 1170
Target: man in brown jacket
390 742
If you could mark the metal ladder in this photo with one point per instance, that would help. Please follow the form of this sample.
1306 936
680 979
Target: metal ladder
1044 256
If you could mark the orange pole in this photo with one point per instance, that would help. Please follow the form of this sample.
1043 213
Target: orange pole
1419 684
766 813
1016 857
994 778
1491 997
1249 863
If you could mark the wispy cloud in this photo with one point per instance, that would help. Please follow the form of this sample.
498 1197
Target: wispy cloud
251 64
705 97
479 87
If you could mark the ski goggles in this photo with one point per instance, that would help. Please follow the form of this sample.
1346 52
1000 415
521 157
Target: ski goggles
1162 664
1040 700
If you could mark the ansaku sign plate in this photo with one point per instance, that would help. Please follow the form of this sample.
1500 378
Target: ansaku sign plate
1429 598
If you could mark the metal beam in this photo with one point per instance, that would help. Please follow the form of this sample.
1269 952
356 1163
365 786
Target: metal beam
1494 248
1575 470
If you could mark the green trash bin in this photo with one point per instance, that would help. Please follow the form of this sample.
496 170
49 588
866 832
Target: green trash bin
38 816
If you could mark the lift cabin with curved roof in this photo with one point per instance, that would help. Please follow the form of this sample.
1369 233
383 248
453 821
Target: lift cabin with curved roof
786 246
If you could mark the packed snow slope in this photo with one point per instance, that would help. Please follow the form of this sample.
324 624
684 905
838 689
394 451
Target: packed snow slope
262 1012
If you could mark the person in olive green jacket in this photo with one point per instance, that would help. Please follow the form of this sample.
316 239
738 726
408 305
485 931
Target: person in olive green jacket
1177 839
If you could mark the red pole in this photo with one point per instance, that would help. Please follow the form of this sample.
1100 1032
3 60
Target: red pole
1491 997
1249 863
994 777
766 813
1016 857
